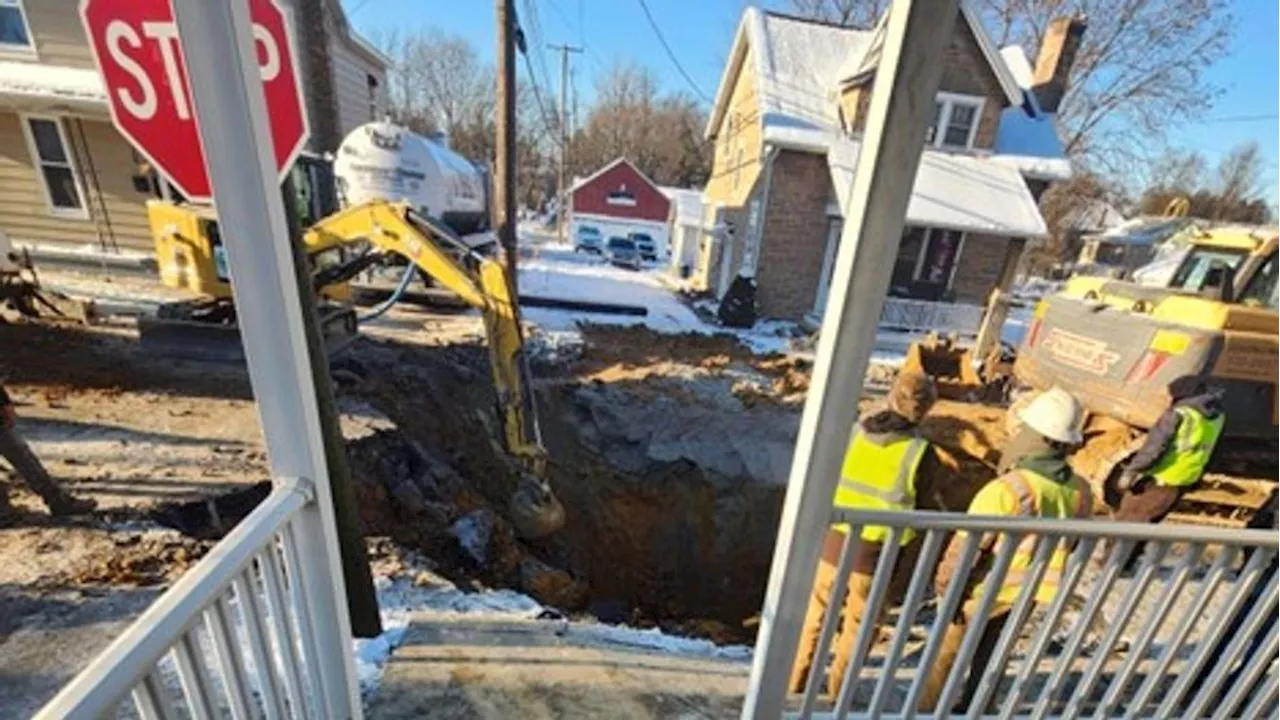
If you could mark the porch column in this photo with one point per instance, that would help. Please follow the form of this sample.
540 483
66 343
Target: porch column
901 105
998 303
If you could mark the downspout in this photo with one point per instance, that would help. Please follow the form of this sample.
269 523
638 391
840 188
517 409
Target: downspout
751 254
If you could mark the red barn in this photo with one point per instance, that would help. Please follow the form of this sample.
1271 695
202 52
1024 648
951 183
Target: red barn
619 200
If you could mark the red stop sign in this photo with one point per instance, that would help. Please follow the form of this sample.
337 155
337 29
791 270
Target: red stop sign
135 43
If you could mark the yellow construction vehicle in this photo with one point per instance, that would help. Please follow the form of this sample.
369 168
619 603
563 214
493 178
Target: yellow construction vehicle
377 232
1116 346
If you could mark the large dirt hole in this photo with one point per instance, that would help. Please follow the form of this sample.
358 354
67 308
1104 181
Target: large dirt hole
670 469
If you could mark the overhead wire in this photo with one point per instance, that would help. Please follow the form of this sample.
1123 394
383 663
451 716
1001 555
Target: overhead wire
671 53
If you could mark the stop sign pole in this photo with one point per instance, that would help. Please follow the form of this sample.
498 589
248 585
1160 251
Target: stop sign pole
277 318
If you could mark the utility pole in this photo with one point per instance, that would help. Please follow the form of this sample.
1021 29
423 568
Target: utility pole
504 175
564 127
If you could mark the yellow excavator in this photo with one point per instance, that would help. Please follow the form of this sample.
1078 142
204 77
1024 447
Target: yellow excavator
1116 345
343 244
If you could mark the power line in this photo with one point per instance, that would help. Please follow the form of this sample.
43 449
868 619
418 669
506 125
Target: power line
670 53
1237 119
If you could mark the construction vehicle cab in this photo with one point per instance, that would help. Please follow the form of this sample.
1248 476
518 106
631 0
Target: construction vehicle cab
1116 345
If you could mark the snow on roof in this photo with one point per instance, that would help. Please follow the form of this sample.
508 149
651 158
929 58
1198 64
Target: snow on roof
1032 145
797 78
1019 66
952 191
33 85
791 57
687 202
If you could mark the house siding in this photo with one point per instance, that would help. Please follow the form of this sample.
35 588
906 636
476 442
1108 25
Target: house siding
59 37
978 268
794 235
24 211
351 71
739 130
965 71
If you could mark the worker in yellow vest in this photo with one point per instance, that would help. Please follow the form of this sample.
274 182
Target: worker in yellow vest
1175 453
1041 484
887 466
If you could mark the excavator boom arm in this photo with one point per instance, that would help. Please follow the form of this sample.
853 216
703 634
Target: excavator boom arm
479 281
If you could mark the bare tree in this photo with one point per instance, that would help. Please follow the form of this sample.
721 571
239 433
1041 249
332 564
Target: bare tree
1141 68
847 13
662 135
1231 192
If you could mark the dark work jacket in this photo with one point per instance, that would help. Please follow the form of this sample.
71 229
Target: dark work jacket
1166 429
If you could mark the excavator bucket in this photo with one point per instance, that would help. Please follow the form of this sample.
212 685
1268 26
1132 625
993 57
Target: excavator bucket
950 365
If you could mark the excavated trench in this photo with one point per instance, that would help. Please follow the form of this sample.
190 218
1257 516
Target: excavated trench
670 470
671 483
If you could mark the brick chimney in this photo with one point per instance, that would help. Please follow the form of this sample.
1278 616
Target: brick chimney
1053 65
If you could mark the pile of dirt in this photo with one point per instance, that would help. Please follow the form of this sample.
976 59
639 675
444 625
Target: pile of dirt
142 559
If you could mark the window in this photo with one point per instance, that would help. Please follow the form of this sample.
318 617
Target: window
621 196
1261 290
53 163
1196 266
372 83
955 121
15 33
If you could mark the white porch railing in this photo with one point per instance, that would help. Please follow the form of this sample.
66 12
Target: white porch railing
923 316
234 636
1188 630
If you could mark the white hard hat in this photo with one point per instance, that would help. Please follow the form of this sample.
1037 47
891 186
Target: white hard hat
1055 414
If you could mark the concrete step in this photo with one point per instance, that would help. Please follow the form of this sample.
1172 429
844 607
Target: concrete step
475 667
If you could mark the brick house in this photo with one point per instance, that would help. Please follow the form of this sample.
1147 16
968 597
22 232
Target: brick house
68 178
618 199
787 122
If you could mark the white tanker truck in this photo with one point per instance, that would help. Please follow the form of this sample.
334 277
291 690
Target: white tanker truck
384 161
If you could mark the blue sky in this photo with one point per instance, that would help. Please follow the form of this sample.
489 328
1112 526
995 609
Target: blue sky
701 32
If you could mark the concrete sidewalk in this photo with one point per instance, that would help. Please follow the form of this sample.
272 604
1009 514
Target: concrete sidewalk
468 667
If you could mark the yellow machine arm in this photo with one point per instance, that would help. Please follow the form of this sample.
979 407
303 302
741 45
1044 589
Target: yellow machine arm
479 281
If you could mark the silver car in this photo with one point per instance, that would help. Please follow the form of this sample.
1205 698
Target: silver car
622 252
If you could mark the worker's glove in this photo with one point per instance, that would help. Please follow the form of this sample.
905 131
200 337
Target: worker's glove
1127 480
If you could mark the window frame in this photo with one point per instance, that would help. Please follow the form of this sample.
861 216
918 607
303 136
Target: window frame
10 50
38 163
949 101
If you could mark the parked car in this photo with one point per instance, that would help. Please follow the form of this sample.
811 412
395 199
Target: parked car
622 252
587 239
647 247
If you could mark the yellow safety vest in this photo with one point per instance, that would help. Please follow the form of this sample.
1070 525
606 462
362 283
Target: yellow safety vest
1025 493
1184 461
879 477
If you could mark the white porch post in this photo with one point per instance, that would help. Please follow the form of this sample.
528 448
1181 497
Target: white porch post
230 108
901 105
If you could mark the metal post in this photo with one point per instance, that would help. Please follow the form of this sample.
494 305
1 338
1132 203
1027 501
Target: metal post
901 105
218 47
504 171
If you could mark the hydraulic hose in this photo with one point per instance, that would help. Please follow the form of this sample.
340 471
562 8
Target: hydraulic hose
381 308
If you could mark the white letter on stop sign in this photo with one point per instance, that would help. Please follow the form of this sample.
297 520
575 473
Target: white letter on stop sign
118 31
165 34
270 68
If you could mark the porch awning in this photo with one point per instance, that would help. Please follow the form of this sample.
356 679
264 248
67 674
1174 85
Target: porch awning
34 87
979 194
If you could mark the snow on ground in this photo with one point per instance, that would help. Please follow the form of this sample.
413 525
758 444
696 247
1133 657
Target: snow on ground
426 596
555 271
